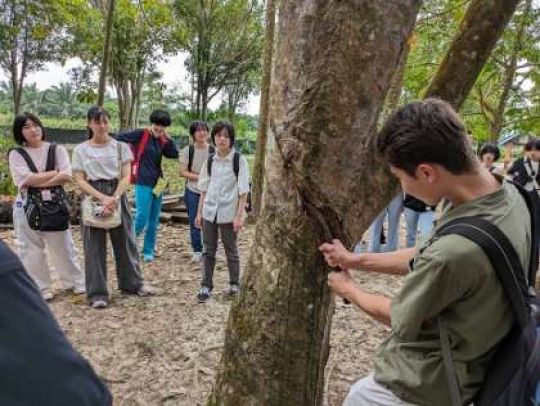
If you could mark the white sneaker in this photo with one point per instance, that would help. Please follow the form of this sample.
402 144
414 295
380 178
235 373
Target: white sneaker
47 294
79 291
197 257
99 304
148 290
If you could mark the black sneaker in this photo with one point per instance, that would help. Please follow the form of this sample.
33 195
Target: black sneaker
203 295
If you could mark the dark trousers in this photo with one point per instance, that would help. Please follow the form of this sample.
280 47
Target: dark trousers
210 240
191 199
126 257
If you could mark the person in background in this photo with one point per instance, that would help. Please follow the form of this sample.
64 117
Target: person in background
192 160
28 132
489 154
393 212
419 218
102 167
149 146
524 169
224 186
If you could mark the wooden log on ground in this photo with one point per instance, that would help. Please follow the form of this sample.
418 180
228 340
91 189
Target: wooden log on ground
180 217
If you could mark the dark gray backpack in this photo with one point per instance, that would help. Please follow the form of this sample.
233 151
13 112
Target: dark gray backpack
513 375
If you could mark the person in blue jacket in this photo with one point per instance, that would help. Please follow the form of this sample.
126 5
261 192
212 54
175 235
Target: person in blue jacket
149 145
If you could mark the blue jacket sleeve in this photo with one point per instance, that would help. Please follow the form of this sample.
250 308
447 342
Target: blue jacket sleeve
131 137
170 150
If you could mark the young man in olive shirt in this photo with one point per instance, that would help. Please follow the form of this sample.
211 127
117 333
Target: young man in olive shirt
450 277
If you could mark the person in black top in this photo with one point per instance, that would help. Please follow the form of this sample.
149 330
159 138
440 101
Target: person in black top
38 365
522 171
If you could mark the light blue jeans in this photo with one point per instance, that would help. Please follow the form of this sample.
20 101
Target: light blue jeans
394 210
148 208
418 224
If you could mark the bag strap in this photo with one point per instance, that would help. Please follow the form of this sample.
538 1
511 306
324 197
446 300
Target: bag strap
531 173
27 158
119 154
503 258
236 163
51 158
451 375
209 163
142 144
191 154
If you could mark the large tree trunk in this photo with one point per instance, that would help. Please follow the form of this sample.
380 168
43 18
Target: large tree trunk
106 54
264 109
335 61
479 31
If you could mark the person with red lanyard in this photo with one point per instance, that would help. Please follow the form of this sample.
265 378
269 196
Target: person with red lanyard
149 145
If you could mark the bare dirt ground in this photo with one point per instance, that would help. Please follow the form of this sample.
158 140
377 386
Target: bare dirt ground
164 350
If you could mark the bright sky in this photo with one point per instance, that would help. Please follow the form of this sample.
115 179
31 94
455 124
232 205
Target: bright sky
173 69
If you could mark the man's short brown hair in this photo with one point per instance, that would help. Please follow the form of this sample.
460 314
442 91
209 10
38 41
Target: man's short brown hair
428 131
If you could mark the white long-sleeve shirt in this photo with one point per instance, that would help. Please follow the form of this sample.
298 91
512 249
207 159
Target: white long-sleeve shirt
223 189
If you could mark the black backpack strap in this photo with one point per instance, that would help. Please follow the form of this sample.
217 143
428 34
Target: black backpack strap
209 163
211 149
533 201
503 258
28 159
51 158
191 154
451 375
236 163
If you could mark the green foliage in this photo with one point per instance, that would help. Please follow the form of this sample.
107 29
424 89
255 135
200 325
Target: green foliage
224 42
436 26
6 183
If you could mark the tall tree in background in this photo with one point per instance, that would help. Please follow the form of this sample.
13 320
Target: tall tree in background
509 67
264 108
30 36
479 31
141 37
223 40
142 34
106 53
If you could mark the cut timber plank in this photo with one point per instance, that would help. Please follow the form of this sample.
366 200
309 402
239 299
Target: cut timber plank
180 217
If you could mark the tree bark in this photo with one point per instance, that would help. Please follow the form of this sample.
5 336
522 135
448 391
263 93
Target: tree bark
264 108
106 54
334 64
479 31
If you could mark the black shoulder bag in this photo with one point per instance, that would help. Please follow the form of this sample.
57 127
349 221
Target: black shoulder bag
46 209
